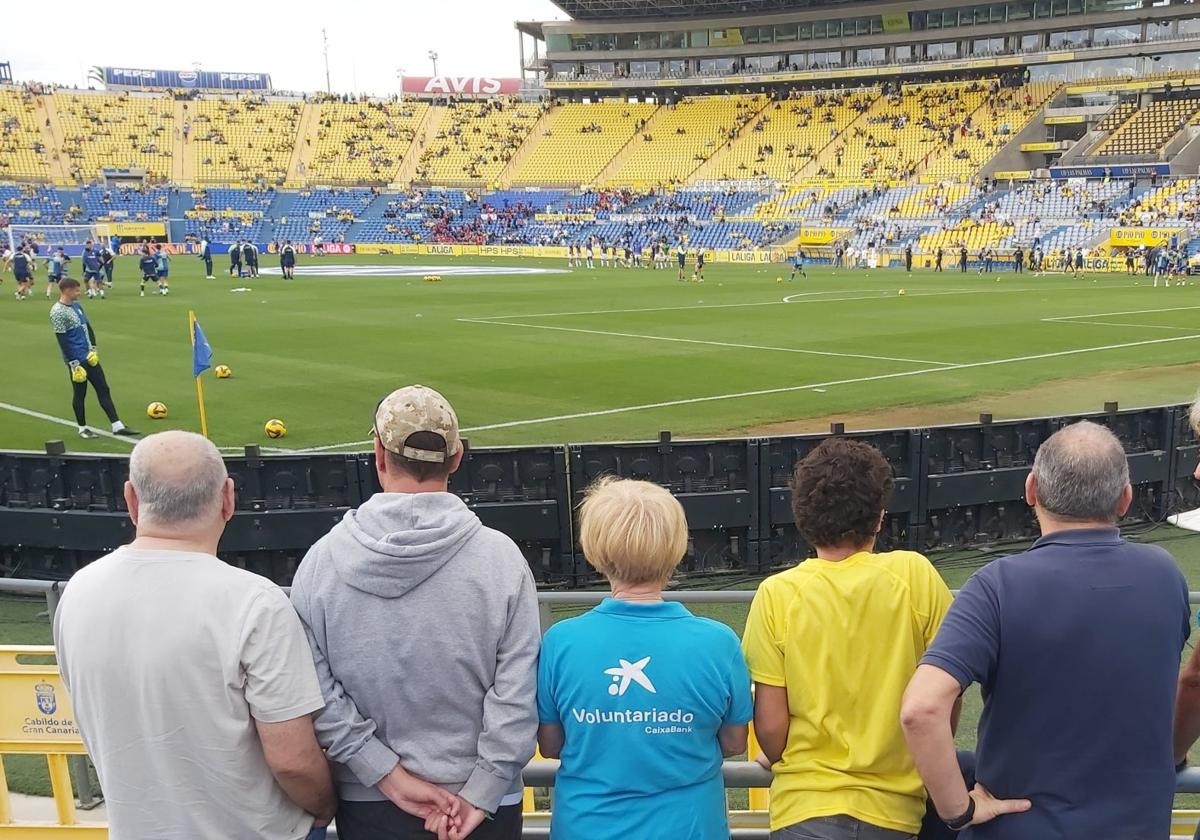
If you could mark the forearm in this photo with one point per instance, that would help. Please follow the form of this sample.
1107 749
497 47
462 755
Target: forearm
931 742
311 788
772 739
1187 715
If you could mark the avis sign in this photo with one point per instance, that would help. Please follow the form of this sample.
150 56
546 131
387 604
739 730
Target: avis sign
458 85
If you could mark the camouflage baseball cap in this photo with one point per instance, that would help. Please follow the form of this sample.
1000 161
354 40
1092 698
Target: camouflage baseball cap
406 411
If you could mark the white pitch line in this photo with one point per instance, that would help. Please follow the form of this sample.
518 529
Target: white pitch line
1125 312
50 418
790 388
878 293
733 345
1124 324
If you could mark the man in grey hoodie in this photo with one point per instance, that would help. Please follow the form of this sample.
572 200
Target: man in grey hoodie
424 629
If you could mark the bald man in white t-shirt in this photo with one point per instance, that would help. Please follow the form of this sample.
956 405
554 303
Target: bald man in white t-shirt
192 680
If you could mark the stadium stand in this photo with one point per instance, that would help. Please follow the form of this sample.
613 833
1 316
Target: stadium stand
362 142
248 140
477 141
22 149
789 134
1000 117
903 131
117 203
561 157
1151 128
125 131
683 136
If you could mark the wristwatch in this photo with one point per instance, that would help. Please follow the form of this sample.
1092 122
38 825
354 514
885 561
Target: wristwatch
965 819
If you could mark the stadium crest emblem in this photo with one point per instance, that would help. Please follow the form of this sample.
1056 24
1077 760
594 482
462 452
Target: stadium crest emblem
46 702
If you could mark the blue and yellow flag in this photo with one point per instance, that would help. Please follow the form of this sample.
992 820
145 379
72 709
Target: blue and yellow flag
202 354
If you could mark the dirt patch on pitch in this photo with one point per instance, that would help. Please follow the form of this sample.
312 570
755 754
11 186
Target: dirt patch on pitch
1130 389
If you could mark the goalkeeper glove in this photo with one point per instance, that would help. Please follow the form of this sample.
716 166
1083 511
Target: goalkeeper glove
93 357
78 372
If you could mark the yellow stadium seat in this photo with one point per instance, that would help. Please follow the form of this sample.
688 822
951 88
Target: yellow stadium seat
579 141
106 130
242 141
360 142
477 141
22 152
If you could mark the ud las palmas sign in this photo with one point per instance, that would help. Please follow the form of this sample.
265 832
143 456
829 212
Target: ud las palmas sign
35 711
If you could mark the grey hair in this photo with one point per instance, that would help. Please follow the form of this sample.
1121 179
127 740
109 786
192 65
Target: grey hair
178 477
1081 472
1194 416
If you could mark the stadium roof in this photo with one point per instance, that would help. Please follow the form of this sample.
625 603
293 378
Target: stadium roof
624 9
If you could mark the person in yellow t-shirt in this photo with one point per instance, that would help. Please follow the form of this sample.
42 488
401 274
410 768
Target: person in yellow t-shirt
831 645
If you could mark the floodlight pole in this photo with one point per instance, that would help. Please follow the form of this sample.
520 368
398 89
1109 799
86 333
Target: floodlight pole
325 43
433 57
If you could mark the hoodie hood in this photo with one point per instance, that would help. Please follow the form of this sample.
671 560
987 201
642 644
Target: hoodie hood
395 541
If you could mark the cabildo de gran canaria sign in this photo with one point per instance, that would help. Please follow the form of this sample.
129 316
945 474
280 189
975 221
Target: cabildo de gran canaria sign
35 712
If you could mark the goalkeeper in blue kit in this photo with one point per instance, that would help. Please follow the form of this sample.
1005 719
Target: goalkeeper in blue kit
77 341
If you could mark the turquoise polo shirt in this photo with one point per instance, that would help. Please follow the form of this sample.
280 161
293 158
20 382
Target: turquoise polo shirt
640 691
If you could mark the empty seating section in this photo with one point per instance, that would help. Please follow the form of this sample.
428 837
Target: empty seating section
126 131
1119 114
579 141
1004 113
246 140
116 203
789 134
22 150
902 132
683 136
477 140
1151 128
361 142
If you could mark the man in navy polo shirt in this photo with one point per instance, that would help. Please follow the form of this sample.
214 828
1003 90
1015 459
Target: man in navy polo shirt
1075 644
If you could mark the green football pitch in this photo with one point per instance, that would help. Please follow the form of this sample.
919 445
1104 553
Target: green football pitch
604 354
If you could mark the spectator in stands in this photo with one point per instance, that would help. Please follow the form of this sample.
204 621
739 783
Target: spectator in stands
192 682
1078 698
841 767
658 769
424 627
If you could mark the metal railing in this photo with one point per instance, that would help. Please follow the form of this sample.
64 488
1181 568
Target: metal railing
540 773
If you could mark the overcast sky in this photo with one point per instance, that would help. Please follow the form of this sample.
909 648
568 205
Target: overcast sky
368 41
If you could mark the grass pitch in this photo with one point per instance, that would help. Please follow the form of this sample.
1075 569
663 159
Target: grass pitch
603 354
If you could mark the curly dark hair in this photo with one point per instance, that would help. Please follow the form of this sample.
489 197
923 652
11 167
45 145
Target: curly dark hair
838 492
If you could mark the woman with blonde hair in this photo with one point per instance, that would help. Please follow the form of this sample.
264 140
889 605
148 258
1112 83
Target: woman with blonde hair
639 698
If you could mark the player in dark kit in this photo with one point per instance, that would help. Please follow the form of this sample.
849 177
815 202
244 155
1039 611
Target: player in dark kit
908 258
22 266
108 261
287 260
91 270
250 257
77 341
149 266
235 259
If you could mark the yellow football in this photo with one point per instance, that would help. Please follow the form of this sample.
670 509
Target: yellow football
156 411
275 428
903 292
222 371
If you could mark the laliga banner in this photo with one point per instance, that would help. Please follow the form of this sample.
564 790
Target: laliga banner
458 85
195 79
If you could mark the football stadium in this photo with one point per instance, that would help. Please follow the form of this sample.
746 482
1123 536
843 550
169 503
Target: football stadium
714 419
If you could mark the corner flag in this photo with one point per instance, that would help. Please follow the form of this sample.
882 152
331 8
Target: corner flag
202 354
